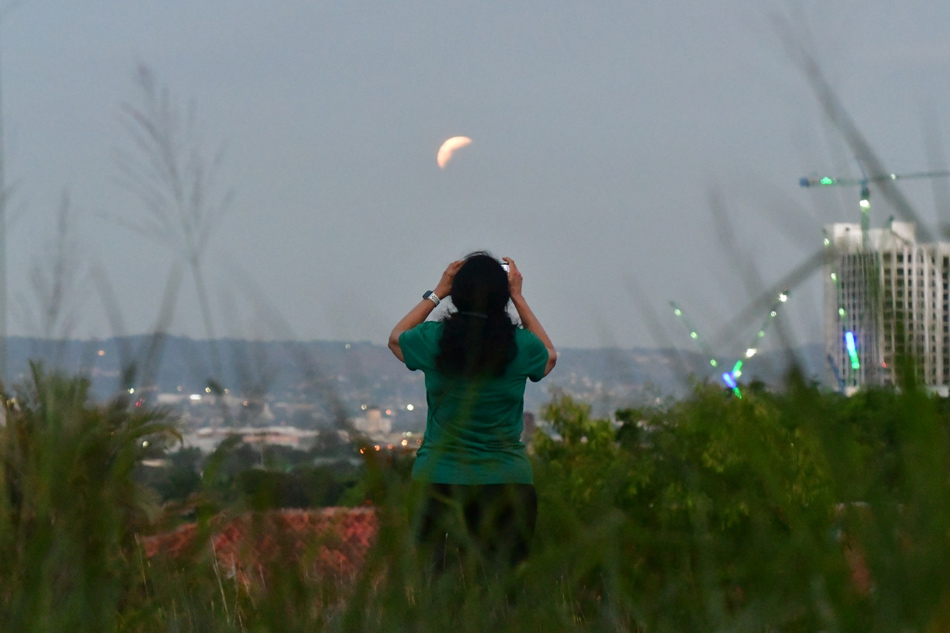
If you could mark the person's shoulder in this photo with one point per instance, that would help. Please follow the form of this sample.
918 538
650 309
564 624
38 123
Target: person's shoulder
527 337
430 329
532 357
420 344
425 334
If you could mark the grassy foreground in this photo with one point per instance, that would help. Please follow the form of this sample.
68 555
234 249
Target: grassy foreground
795 511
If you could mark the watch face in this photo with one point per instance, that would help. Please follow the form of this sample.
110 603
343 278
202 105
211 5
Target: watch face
426 294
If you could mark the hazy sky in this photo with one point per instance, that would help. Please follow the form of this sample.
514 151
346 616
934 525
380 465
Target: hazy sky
600 131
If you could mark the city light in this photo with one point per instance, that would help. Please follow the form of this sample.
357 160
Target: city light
749 353
409 407
852 350
827 181
732 384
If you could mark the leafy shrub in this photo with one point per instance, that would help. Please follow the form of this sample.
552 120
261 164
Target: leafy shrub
69 506
798 511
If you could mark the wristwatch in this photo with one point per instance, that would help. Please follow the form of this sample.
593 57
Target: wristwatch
431 296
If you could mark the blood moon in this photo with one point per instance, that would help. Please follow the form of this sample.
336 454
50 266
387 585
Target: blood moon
448 148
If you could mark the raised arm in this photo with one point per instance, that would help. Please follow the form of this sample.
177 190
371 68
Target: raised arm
421 310
528 319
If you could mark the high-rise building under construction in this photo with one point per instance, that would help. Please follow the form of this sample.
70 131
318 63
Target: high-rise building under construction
886 298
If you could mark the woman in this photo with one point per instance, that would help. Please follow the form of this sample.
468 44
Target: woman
477 479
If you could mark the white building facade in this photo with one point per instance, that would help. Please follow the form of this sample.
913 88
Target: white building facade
886 296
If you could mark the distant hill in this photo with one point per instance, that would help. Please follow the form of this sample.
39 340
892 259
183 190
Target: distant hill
347 374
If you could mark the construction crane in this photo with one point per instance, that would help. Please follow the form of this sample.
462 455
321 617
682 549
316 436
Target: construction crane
850 339
753 346
864 183
730 378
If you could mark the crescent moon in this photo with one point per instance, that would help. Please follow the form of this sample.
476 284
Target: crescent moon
448 148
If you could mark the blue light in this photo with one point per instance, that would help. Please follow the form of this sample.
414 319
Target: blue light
729 380
852 350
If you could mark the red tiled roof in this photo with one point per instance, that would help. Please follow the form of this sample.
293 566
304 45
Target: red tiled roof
330 542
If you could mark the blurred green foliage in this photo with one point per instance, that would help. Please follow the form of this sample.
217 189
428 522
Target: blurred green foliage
798 510
70 508
239 476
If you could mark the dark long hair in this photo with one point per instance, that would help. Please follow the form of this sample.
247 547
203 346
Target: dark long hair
479 339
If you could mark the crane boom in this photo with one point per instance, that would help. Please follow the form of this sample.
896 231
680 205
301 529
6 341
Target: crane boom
729 377
865 202
694 334
753 349
827 181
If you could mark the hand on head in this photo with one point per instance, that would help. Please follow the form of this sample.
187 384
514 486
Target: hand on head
444 288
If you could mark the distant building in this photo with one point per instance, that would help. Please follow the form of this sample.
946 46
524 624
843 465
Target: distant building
208 438
886 295
373 424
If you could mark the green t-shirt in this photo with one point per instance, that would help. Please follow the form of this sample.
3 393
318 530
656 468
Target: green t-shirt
473 427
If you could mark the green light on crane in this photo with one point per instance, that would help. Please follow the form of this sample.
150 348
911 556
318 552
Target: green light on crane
737 369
